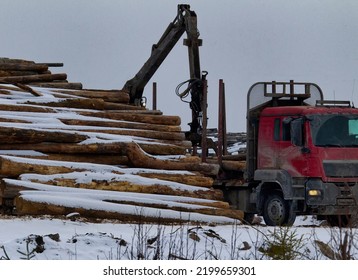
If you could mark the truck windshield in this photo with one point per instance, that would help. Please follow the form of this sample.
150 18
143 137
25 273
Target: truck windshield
334 130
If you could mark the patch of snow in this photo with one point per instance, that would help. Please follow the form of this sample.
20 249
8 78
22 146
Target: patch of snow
21 153
83 240
88 177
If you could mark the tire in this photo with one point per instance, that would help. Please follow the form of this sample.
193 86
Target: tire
277 211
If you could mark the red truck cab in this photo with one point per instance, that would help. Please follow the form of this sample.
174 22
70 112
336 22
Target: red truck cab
302 155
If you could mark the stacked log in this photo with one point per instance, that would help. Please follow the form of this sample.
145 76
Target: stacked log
20 71
52 134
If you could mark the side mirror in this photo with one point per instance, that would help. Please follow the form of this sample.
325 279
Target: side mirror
297 132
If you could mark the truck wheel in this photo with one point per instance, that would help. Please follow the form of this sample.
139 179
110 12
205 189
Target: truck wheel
277 211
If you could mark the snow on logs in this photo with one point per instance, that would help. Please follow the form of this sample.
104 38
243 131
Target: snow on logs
124 206
59 140
15 166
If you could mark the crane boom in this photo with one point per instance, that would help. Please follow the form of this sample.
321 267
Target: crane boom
185 21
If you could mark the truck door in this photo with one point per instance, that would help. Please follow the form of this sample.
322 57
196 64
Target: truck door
293 155
268 148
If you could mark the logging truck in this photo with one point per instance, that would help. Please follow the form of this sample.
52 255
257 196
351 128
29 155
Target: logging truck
302 150
302 156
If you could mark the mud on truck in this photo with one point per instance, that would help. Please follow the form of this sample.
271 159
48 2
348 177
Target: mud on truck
302 151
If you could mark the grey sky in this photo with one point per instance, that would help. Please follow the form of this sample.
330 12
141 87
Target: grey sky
103 43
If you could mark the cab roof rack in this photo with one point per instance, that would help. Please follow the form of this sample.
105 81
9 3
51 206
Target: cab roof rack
334 103
283 94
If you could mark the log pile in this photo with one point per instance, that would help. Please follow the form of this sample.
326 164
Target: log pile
19 71
67 149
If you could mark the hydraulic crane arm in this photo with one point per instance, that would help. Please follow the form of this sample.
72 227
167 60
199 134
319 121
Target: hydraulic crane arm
184 21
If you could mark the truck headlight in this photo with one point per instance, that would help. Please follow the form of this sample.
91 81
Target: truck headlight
314 193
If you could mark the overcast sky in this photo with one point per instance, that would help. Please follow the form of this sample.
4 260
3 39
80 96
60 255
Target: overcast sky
103 43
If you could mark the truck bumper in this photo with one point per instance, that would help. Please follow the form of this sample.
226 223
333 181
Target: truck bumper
331 198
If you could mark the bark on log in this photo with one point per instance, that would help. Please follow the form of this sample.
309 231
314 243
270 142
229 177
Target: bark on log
13 120
117 96
14 60
179 143
59 85
24 207
119 106
193 180
118 148
26 108
128 119
219 205
5 92
138 158
113 148
86 158
9 87
82 103
90 158
160 135
8 194
126 186
234 214
230 164
33 78
105 123
234 165
167 149
28 89
142 198
13 169
21 66
136 117
20 135
87 103
8 73
123 124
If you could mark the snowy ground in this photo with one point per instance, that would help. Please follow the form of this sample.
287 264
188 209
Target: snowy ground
49 238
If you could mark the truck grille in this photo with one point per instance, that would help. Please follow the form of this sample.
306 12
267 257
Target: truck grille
345 201
341 168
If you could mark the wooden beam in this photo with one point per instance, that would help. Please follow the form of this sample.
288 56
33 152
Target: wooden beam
59 85
138 158
21 135
123 124
23 67
33 78
117 96
136 117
